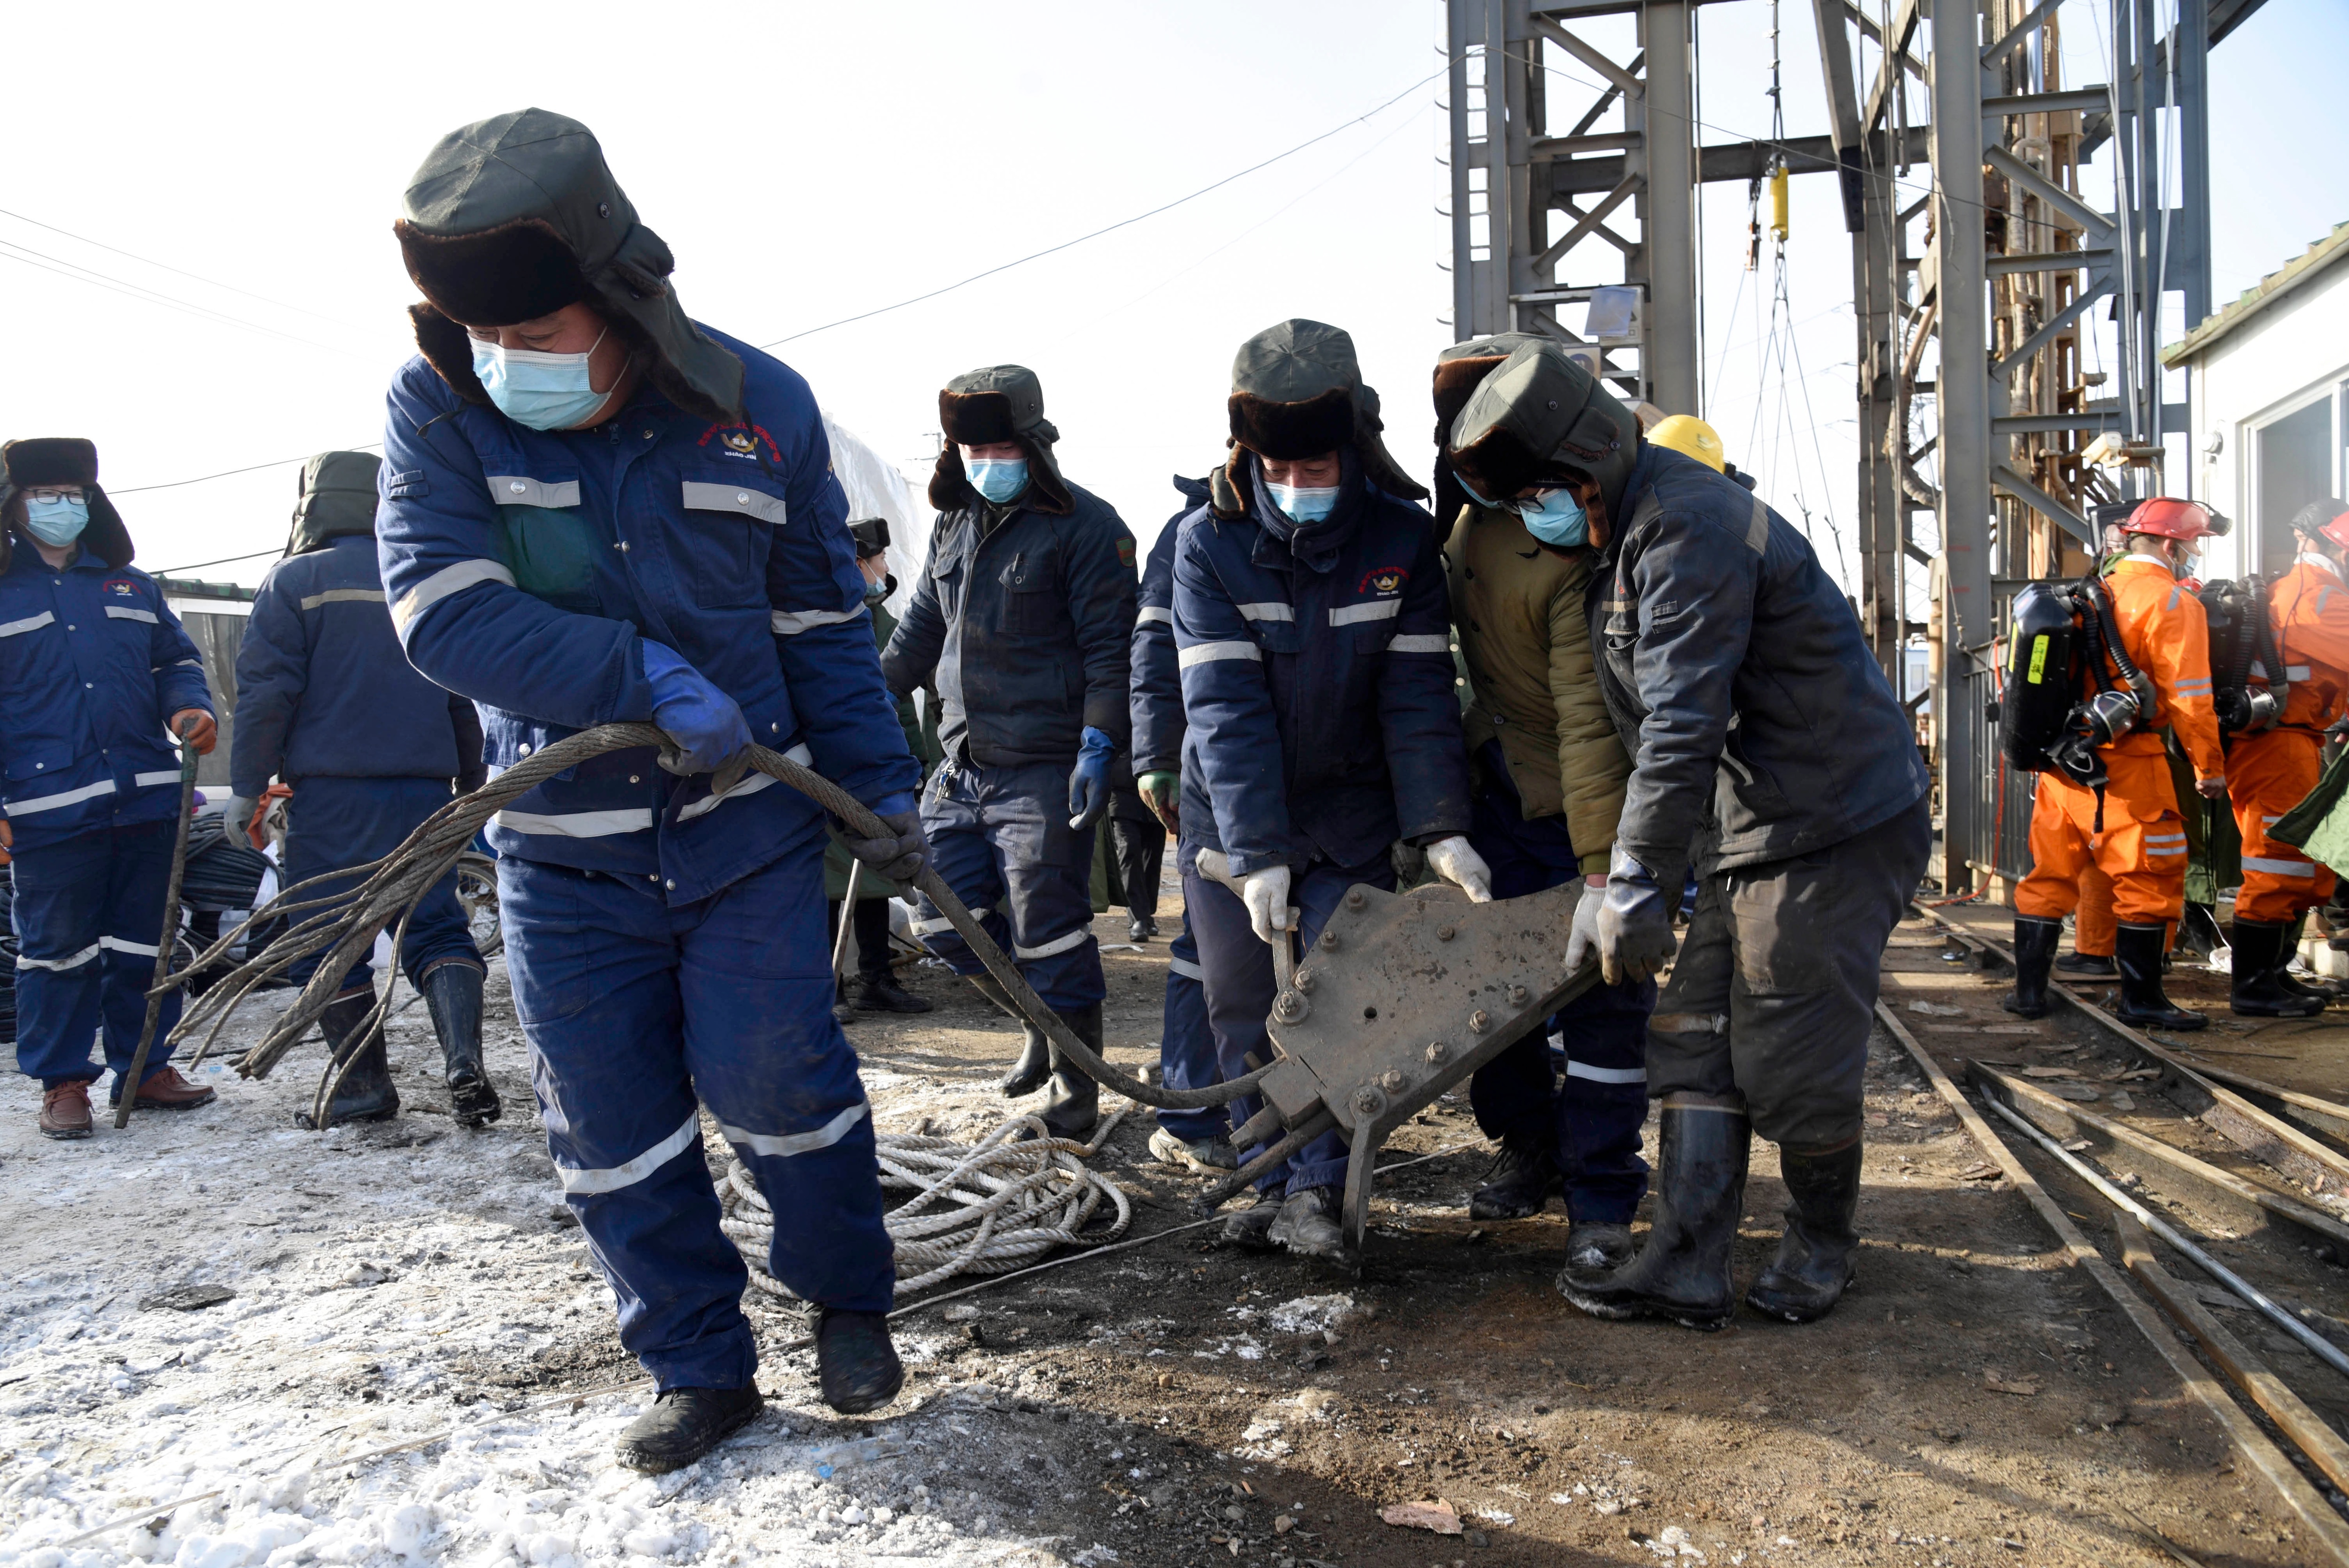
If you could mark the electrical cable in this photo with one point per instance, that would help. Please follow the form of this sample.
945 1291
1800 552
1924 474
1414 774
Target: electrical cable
166 266
248 468
26 255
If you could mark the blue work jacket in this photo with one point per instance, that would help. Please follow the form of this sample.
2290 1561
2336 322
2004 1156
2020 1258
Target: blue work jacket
1315 663
323 689
93 664
1027 626
525 566
1156 688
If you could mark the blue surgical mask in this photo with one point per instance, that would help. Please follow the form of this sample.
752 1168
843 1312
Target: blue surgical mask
1555 517
1303 503
998 479
543 391
56 522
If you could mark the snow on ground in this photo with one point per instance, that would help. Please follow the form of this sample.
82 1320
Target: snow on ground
398 1282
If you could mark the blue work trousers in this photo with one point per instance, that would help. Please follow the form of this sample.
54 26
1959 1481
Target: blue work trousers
1237 966
632 1009
89 913
1186 1048
332 824
1596 1121
1001 836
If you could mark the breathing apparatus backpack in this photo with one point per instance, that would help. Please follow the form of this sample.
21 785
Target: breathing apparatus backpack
2242 636
2060 704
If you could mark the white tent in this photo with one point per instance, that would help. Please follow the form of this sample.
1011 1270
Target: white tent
876 488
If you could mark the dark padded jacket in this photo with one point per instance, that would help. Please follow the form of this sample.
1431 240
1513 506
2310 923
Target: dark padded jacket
1157 685
1027 626
1739 680
323 689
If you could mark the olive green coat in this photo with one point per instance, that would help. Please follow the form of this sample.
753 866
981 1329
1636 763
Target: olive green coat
922 741
1518 610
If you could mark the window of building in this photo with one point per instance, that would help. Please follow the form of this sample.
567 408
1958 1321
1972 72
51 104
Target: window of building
2295 466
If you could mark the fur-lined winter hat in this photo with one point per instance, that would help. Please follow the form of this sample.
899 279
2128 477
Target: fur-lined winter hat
1538 416
998 403
512 218
1458 369
337 498
1297 392
44 461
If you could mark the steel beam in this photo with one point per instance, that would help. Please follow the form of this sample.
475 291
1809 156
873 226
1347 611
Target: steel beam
1668 222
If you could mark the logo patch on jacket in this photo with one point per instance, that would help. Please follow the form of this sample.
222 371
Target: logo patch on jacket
1383 580
741 441
1125 552
122 587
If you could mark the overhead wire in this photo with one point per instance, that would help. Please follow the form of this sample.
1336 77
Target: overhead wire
166 266
26 255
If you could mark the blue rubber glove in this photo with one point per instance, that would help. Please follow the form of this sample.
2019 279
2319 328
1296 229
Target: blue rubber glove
1635 922
706 725
1088 784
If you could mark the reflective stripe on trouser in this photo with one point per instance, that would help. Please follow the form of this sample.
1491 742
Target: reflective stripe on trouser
1002 834
2266 776
1238 968
1596 1120
2142 848
89 913
331 823
1773 993
631 1008
1186 1050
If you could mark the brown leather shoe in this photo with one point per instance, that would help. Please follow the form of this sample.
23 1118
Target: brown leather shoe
65 1110
167 1090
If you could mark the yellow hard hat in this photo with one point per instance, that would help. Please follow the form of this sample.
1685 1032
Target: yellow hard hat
1690 437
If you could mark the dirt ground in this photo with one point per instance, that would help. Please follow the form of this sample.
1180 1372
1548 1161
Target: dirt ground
1972 1401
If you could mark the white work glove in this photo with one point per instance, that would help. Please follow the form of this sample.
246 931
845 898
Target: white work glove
1457 862
1582 937
1265 893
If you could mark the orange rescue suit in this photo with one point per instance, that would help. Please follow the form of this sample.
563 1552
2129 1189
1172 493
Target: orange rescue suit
2271 771
2142 844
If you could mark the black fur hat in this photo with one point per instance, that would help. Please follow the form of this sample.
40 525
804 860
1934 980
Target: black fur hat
1297 392
1537 417
998 403
43 460
1458 369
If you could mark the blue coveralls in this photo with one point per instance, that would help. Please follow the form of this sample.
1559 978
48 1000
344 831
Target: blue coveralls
1027 625
1322 726
665 944
1186 1050
93 664
327 701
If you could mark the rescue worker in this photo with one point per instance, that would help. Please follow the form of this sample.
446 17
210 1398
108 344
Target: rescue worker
2270 771
1547 774
1752 711
1136 852
97 672
597 511
327 701
2131 830
1024 611
1310 631
878 990
1198 1139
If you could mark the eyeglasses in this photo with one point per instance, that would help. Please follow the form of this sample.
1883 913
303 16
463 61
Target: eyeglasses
55 492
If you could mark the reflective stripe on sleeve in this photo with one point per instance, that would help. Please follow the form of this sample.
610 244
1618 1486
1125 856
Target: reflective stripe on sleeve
579 824
636 1170
2295 672
1185 968
69 797
71 961
1376 610
1076 938
29 623
343 596
1267 609
791 623
448 581
1152 615
1420 642
162 776
1606 1075
775 1145
2275 867
1209 653
129 612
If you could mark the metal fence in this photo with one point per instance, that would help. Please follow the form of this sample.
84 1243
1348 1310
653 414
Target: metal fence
1999 843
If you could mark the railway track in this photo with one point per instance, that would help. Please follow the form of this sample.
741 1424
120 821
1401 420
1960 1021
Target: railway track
2207 1199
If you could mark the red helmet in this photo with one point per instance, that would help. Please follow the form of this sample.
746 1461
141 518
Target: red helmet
2337 530
2170 519
2328 518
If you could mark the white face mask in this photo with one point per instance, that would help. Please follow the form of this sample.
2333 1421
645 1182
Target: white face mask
544 391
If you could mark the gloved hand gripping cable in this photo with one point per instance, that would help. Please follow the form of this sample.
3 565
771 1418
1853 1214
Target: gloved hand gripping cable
342 926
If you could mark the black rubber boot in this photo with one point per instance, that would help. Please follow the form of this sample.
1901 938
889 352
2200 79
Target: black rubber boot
1075 1105
855 1361
1250 1226
1814 1262
1683 1273
683 1424
1523 1178
1035 1064
2138 950
453 992
881 993
2092 966
2034 955
2260 990
367 1093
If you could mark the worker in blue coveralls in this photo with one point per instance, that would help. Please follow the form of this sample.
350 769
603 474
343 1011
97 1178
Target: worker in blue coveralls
94 673
597 511
1313 636
1023 612
326 702
1199 1139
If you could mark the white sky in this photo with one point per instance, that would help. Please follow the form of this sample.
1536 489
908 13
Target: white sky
806 163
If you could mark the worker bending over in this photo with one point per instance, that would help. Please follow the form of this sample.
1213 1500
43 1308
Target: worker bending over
597 512
99 672
1547 772
1024 613
326 702
1321 725
1752 711
2131 828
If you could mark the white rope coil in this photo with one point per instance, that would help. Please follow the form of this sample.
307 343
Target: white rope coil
980 1209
